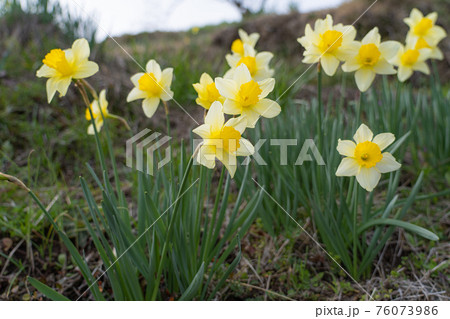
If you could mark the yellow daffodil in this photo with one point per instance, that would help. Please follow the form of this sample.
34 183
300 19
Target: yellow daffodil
97 108
421 43
365 159
207 91
61 66
245 96
424 28
408 59
328 43
222 140
237 47
371 57
152 86
257 63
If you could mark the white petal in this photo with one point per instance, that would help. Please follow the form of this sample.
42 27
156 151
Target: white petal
228 160
205 79
388 163
372 37
422 67
45 71
231 107
51 89
363 134
153 67
251 116
364 78
85 69
368 178
241 75
166 77
166 94
206 156
404 73
351 65
329 64
135 78
262 59
346 147
267 108
389 49
215 117
246 148
238 123
227 88
383 140
149 105
63 85
80 49
347 167
136 94
204 131
383 67
266 86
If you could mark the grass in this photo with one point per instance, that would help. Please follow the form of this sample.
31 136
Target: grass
46 146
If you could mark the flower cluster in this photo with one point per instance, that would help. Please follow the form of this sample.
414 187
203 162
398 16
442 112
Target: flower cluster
242 92
330 44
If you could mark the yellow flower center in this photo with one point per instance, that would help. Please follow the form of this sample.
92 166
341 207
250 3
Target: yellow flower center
367 154
249 93
330 41
212 94
148 83
96 113
250 62
230 139
423 26
421 44
237 47
410 57
369 54
56 59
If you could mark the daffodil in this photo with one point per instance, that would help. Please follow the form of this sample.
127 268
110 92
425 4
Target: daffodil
207 91
421 43
409 59
424 28
222 140
97 107
257 63
152 86
247 97
365 159
370 58
237 47
61 66
328 43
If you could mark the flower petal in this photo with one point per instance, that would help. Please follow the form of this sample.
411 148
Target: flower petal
80 50
266 86
149 105
383 67
404 73
363 134
166 77
368 178
215 117
364 78
346 147
227 87
228 160
153 67
136 94
231 107
206 156
384 140
46 72
85 69
389 49
246 148
348 167
267 108
51 89
388 163
204 131
329 63
135 78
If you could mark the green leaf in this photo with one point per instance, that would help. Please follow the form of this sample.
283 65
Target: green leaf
46 290
191 291
405 225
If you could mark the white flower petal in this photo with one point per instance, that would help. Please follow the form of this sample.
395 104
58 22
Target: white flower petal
204 131
383 67
383 140
348 167
45 71
267 108
85 70
329 64
166 77
266 86
136 94
404 73
364 78
51 89
363 134
80 50
149 105
206 156
346 147
135 79
246 148
228 160
368 178
231 107
387 163
389 49
241 74
215 117
153 67
227 87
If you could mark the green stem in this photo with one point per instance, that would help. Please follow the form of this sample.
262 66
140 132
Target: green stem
319 106
170 228
355 233
358 109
